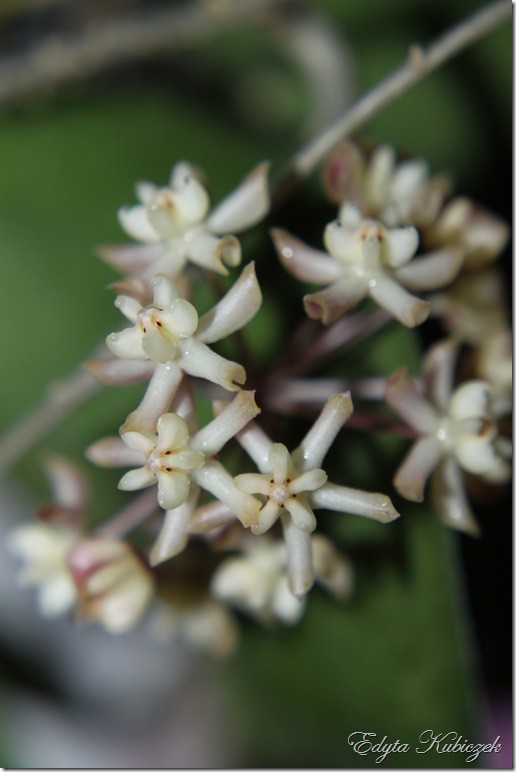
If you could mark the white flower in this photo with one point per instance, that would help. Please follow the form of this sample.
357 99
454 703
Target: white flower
113 585
169 333
180 465
458 429
257 582
365 258
202 623
43 550
291 486
175 225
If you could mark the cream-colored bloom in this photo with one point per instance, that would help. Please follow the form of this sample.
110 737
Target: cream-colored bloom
458 429
365 258
291 486
113 585
175 226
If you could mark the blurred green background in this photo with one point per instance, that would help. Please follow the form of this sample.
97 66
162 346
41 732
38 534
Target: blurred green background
404 656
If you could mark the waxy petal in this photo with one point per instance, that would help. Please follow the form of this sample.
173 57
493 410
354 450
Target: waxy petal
136 479
126 344
215 479
129 307
173 536
478 455
449 498
280 463
238 306
299 558
266 518
172 432
245 206
312 450
422 459
338 498
399 245
199 360
135 222
304 262
470 400
403 396
336 299
165 291
173 489
252 482
409 310
113 452
431 271
212 438
302 515
156 401
212 252
309 481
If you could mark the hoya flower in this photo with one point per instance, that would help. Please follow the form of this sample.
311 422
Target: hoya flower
291 486
114 587
175 225
199 622
43 547
458 430
170 335
181 464
256 581
395 192
365 258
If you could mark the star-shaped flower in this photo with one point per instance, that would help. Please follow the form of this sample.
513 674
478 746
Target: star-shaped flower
175 225
291 486
366 258
458 430
182 464
169 334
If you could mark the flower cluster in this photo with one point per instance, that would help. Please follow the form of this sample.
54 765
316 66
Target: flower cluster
245 523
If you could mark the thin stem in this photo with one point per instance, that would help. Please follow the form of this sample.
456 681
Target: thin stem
420 63
135 513
126 38
61 399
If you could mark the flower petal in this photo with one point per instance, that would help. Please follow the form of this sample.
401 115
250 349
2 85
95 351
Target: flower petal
126 344
173 536
299 558
113 452
304 262
399 245
173 489
431 271
409 310
422 459
309 481
215 479
165 291
336 299
245 206
470 400
314 447
137 479
135 222
114 371
172 432
199 360
478 455
234 311
252 482
403 396
302 514
129 307
280 463
450 502
338 498
156 401
212 252
266 518
212 438
439 371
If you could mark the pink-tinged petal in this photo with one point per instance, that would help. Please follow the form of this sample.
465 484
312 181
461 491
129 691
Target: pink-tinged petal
112 452
336 299
70 488
342 173
135 222
266 518
173 536
217 481
312 450
137 479
403 396
172 432
400 244
199 360
422 459
252 482
304 262
302 514
449 498
129 307
309 481
212 438
117 372
431 271
245 206
130 258
173 489
165 291
212 252
211 517
126 344
409 310
470 400
234 311
299 558
156 401
439 371
338 498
